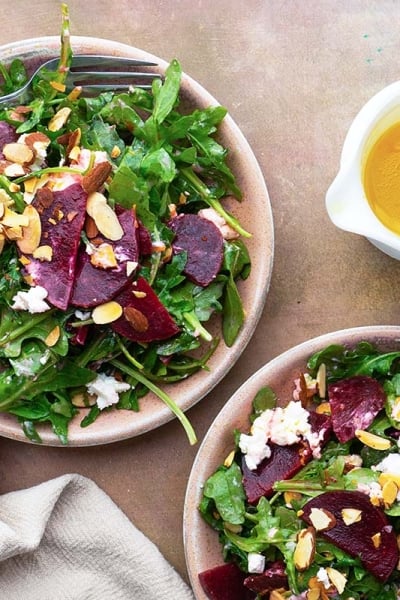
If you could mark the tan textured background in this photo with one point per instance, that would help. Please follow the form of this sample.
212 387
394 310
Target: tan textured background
293 74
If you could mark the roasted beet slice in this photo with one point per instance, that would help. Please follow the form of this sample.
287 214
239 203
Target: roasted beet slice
144 240
225 582
62 214
145 318
203 242
354 402
372 538
8 135
94 285
284 463
273 578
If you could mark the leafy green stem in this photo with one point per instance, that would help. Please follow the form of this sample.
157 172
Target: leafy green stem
15 333
129 356
193 321
213 202
162 395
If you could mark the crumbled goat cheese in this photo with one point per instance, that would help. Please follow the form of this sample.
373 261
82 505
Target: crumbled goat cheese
373 490
390 464
107 390
26 367
82 315
282 426
255 562
227 232
32 300
322 576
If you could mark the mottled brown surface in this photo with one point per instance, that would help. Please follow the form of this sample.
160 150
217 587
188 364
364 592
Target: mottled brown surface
293 74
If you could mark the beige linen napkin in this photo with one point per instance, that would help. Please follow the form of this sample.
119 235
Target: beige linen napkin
65 539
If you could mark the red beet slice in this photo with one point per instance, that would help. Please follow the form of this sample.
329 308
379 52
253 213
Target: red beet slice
203 242
144 240
354 402
94 285
284 463
273 578
356 539
159 325
225 582
63 235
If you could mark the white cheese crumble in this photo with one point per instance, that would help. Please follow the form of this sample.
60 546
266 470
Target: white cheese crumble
390 464
227 232
373 490
32 300
255 562
282 426
107 390
322 576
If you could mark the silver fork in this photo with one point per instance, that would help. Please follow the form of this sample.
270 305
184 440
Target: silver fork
116 77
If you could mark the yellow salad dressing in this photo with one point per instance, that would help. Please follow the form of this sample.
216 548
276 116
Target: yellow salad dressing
382 178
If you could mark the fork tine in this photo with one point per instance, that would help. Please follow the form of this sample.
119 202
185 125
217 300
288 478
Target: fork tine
98 87
88 60
95 76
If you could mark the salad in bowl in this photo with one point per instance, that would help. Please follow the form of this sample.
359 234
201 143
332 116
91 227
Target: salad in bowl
306 503
118 248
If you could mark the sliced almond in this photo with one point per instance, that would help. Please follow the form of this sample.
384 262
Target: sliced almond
103 257
385 477
18 153
314 594
43 253
60 87
337 578
322 519
31 233
321 380
376 539
371 440
83 400
95 179
277 595
323 409
115 152
53 337
229 459
58 121
138 294
15 170
289 497
389 493
351 515
131 266
136 319
106 313
36 137
91 228
305 549
13 219
24 260
103 215
13 233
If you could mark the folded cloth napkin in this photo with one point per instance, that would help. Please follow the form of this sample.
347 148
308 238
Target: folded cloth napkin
65 539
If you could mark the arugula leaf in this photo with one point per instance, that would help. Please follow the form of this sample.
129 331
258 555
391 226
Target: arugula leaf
225 488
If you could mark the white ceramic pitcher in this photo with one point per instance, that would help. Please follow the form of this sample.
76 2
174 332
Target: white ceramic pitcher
346 201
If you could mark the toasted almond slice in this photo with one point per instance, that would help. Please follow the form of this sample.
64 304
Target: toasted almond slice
138 294
389 493
103 215
24 260
323 409
15 170
13 233
59 119
106 313
32 232
376 539
43 253
53 337
314 594
131 266
385 477
322 519
351 515
12 219
371 440
305 549
277 595
321 380
338 579
60 87
136 319
229 459
17 152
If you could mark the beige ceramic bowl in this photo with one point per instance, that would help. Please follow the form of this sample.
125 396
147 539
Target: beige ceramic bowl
255 215
202 548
